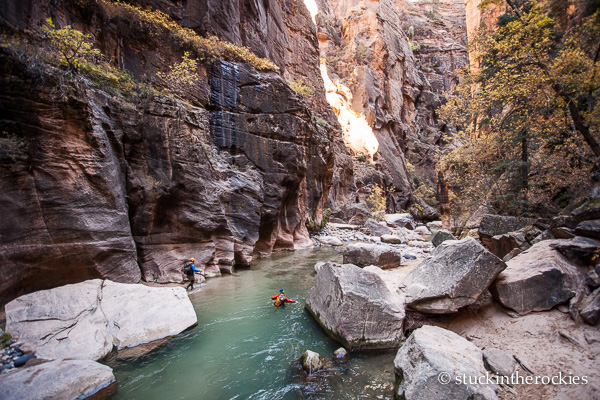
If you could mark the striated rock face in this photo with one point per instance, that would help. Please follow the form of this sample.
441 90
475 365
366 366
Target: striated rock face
85 320
60 379
356 308
128 188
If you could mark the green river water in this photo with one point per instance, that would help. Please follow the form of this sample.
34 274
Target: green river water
245 348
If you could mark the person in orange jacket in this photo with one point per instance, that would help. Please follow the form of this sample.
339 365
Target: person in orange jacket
281 299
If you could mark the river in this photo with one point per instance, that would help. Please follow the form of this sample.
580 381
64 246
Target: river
245 348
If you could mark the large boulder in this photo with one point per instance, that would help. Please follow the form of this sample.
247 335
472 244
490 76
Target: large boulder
376 229
363 254
492 225
589 229
501 245
404 220
441 236
330 241
85 320
433 363
537 279
59 379
588 210
454 276
356 308
577 247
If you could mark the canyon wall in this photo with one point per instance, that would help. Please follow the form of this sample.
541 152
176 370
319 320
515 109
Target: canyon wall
102 185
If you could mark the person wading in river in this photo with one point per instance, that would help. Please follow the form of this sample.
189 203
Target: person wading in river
189 269
281 299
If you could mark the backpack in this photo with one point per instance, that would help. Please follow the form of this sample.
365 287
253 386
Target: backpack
280 300
187 268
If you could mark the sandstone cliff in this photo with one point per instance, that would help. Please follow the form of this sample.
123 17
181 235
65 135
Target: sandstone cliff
127 188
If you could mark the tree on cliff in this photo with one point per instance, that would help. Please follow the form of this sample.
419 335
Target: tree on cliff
529 113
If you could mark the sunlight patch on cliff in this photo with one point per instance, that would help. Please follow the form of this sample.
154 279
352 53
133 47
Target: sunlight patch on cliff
313 9
358 135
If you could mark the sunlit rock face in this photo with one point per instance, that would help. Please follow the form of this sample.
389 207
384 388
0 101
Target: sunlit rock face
370 51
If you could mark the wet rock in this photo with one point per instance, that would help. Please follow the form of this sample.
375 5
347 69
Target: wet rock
501 245
20 361
537 279
376 228
311 361
431 362
441 236
452 277
393 239
85 320
409 256
590 308
498 362
330 241
59 379
363 254
589 229
340 353
356 308
400 221
492 225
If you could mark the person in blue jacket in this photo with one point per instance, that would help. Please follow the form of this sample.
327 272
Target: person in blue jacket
190 269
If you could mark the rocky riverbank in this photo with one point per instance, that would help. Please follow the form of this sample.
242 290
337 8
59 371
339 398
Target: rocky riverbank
515 296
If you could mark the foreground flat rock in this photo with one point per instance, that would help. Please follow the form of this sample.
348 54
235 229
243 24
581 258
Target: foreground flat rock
85 320
454 276
431 351
537 279
356 308
59 379
363 254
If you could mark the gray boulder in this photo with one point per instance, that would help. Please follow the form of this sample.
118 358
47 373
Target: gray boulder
393 239
330 241
454 276
501 245
340 353
356 308
492 225
441 236
577 247
404 220
589 229
565 221
376 229
432 364
537 279
311 361
498 362
59 379
363 254
437 225
561 232
593 278
588 210
422 230
590 308
85 320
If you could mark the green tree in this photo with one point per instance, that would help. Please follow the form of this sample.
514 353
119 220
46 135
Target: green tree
74 48
528 112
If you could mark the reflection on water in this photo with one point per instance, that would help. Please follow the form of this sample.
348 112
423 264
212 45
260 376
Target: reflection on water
245 348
